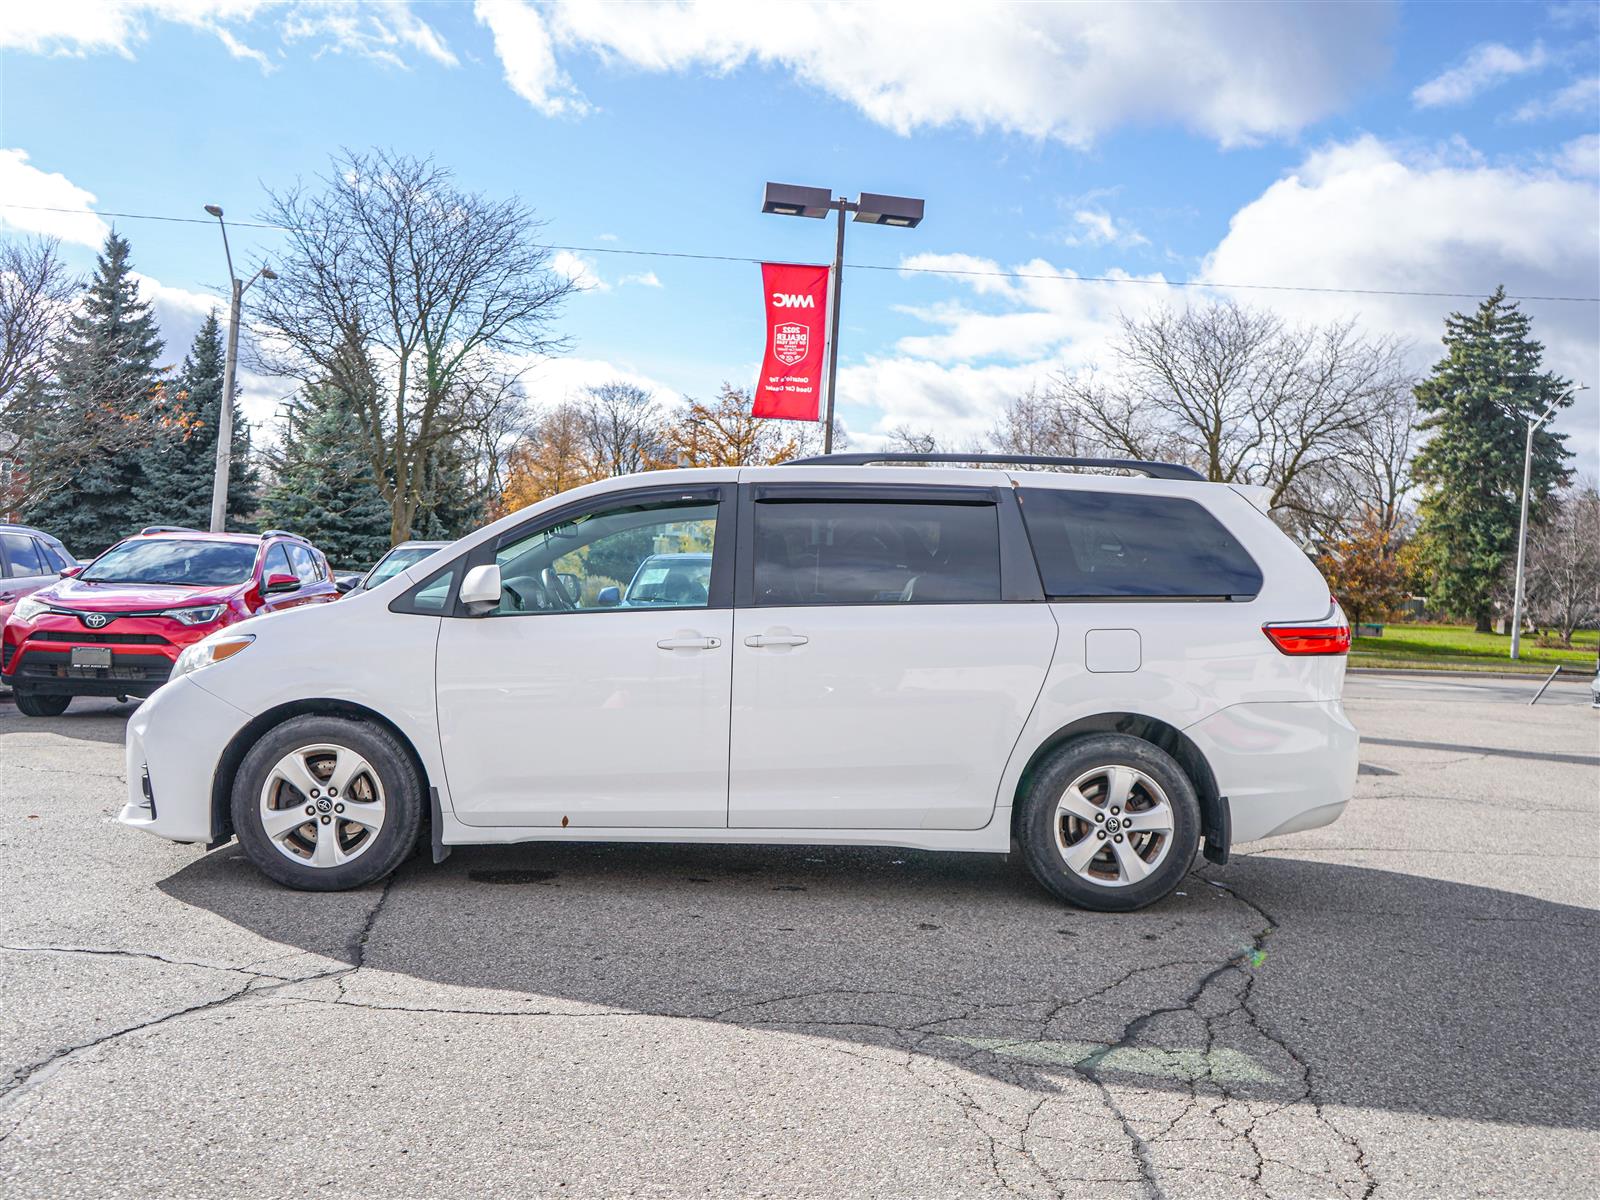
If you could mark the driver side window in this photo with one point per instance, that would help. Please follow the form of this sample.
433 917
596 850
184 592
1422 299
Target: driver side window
639 555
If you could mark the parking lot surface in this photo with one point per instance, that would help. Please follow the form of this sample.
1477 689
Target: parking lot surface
1401 1004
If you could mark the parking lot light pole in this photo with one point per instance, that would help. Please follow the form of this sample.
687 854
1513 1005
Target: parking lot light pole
237 287
791 200
1522 528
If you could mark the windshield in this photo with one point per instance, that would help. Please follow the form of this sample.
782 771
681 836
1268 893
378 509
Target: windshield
392 563
671 579
186 562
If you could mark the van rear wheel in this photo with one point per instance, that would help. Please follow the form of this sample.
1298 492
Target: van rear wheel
1110 823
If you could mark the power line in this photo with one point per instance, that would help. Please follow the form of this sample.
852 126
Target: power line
1113 280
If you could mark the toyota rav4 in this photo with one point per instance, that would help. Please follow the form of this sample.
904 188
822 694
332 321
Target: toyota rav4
1108 671
115 627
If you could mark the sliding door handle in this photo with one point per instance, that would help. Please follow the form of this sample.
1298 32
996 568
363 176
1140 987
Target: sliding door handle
689 643
758 640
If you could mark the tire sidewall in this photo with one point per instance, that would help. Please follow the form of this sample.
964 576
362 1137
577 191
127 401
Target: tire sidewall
402 790
1037 826
38 704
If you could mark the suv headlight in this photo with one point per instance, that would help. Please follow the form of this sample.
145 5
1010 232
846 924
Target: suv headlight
196 616
213 650
28 608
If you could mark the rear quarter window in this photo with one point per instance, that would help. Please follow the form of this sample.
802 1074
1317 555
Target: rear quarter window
1117 545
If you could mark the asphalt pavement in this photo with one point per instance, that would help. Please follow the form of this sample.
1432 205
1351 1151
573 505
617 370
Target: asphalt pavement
1401 1004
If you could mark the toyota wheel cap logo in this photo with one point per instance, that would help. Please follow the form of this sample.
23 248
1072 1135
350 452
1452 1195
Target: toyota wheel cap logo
790 343
96 620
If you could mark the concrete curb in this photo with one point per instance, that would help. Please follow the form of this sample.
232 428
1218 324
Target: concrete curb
1423 673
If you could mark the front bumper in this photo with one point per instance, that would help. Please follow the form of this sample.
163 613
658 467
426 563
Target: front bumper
174 744
40 659
1284 766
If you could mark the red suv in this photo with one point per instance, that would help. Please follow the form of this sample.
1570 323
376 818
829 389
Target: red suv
116 627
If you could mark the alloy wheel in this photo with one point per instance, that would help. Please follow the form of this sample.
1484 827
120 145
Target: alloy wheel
322 805
1114 826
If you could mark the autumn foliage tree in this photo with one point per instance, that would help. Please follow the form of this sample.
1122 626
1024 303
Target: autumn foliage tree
1367 570
724 434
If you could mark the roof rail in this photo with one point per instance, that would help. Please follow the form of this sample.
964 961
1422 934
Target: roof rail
149 529
266 533
1155 470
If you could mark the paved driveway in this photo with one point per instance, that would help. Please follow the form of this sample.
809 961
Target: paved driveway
1403 1004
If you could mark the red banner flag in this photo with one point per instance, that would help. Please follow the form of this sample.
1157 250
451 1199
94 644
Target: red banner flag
790 386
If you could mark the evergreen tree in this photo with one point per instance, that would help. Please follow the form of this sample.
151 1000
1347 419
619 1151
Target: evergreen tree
324 488
82 449
1478 403
447 503
179 465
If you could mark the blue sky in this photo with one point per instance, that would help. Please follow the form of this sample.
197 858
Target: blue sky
1416 147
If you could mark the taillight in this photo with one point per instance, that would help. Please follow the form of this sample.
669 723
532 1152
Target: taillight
1309 639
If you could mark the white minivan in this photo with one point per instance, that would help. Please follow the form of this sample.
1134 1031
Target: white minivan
1109 670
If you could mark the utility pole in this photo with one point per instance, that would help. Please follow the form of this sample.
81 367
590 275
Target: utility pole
1522 528
236 287
833 325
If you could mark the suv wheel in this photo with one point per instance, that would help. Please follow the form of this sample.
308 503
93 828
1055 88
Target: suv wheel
35 704
326 803
1110 822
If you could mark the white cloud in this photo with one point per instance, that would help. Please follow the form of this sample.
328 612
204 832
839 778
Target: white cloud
551 381
1486 66
30 190
579 270
80 27
643 279
1096 227
1579 96
522 43
1581 156
1356 215
1236 73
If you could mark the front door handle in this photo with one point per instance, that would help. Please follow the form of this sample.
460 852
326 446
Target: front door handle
690 643
758 640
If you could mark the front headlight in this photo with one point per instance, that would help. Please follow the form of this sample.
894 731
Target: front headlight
196 616
28 608
213 650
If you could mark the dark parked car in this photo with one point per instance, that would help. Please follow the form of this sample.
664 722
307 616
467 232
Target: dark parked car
30 559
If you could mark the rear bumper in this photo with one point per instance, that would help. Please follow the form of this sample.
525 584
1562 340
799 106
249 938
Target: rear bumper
173 745
1284 767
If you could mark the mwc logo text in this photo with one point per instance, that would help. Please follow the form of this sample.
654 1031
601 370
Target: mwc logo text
785 300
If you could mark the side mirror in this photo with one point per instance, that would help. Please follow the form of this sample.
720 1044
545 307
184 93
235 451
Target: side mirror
69 572
609 597
480 590
346 583
282 583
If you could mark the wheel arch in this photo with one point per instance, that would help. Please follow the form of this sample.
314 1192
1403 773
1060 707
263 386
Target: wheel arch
1215 818
252 731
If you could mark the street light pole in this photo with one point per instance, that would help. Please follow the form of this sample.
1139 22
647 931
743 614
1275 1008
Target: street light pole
789 200
236 287
833 327
1522 528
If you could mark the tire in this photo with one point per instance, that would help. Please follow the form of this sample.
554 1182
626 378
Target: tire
36 704
290 770
1078 857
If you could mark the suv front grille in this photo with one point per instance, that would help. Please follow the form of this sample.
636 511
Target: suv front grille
130 668
114 639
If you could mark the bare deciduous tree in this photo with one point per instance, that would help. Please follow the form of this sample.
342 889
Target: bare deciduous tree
624 428
36 291
1563 564
1036 423
1314 413
391 270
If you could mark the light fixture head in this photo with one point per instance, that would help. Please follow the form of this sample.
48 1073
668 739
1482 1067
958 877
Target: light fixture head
791 200
268 273
902 211
215 210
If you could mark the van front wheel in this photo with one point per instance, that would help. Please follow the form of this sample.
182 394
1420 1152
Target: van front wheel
1110 823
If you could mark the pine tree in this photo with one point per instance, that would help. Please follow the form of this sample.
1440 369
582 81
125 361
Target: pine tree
83 449
179 464
324 488
447 506
1478 403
